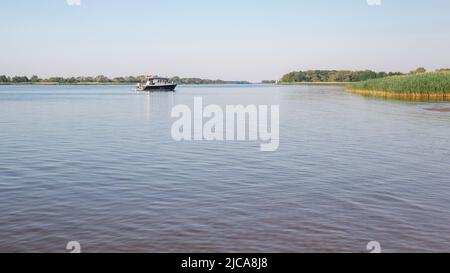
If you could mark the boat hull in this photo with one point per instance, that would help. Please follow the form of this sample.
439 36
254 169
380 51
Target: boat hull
156 88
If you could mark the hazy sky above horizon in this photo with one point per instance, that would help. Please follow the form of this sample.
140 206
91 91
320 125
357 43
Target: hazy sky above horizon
231 40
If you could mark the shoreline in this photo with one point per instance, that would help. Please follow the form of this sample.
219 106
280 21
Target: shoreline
57 83
99 84
399 95
314 83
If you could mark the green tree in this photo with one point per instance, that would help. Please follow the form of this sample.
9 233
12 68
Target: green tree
131 79
119 79
35 78
71 80
175 79
56 79
20 79
4 78
89 79
102 78
419 70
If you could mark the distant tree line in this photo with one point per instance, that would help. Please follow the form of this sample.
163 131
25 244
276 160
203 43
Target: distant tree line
443 70
268 81
104 79
204 81
334 76
296 76
343 75
100 79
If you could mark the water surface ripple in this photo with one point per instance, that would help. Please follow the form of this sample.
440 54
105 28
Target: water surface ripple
97 165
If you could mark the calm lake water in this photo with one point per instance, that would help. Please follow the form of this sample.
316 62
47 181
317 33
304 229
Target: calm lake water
98 165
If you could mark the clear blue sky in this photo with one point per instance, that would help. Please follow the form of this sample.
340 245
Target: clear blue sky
227 39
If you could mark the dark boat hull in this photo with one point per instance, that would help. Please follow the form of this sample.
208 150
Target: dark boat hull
168 87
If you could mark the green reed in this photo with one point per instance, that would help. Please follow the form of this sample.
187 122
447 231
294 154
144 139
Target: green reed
435 83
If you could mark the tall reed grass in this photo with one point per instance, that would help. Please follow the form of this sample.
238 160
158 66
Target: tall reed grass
435 85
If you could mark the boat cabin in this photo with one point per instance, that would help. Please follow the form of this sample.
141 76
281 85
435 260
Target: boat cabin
155 80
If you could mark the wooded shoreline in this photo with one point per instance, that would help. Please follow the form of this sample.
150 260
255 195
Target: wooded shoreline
102 80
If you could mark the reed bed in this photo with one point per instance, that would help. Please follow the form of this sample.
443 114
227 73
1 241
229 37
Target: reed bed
426 86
